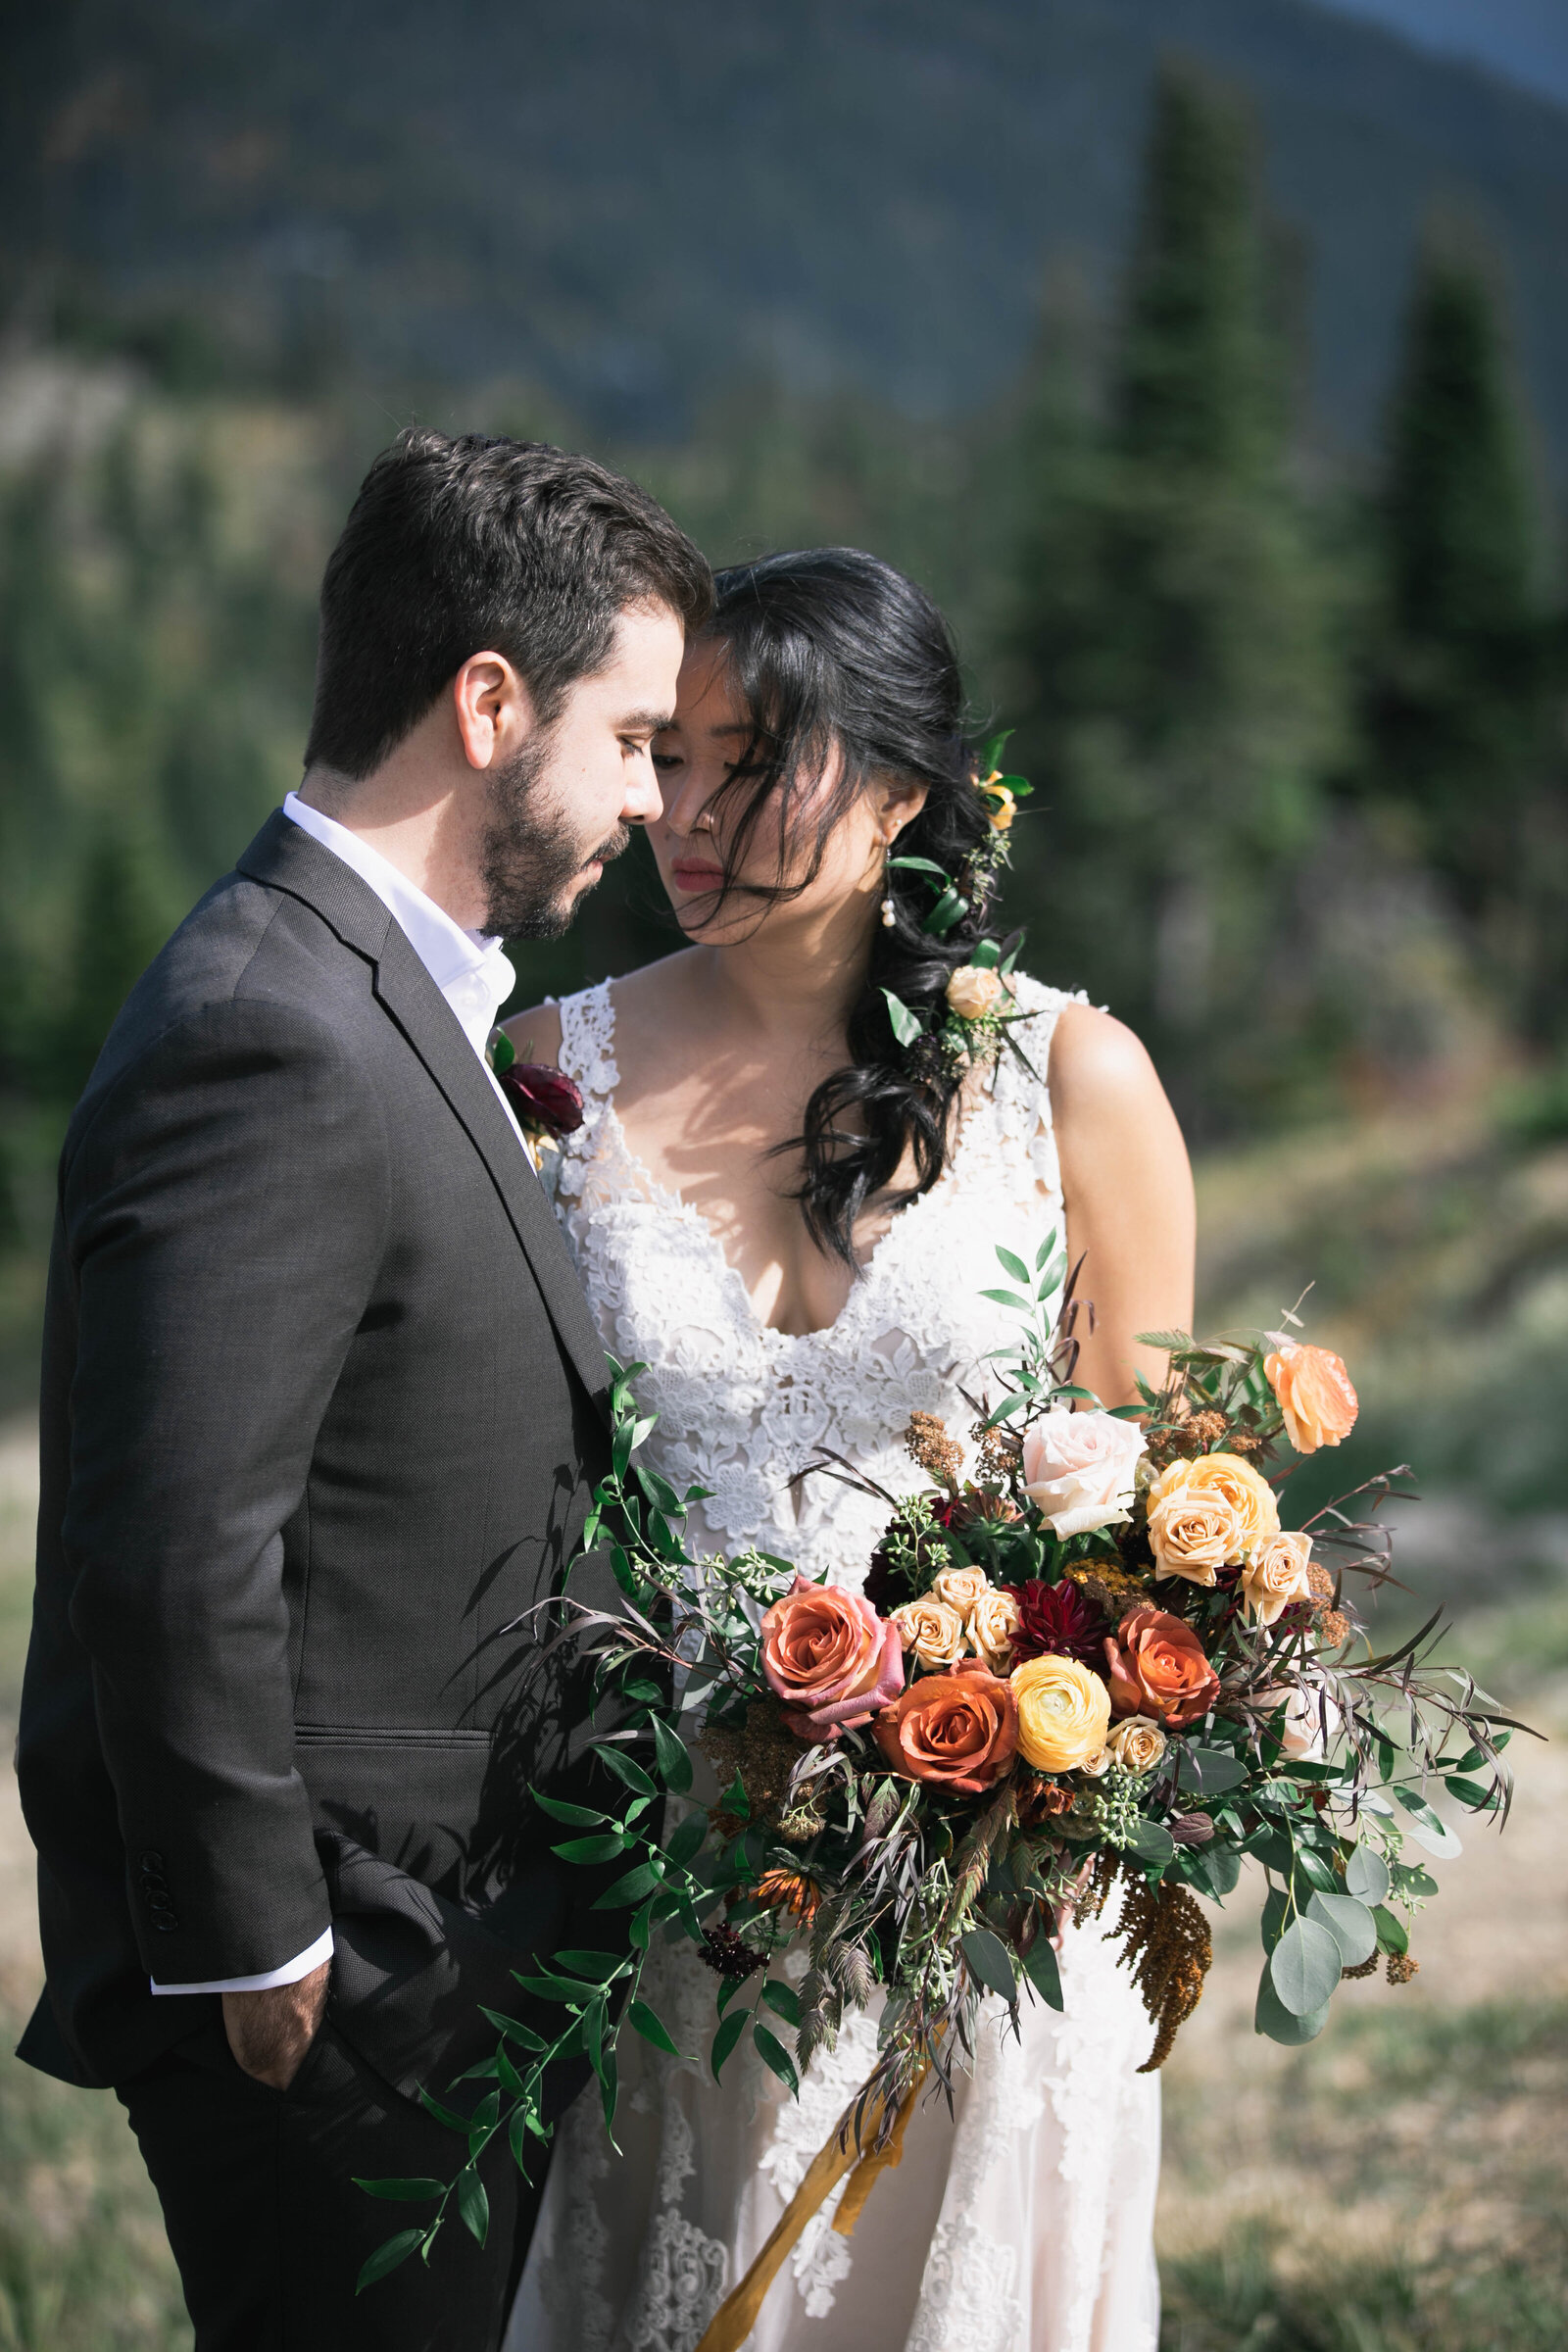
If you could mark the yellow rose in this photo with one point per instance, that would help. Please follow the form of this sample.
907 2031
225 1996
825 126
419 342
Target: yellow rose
973 990
933 1631
1137 1743
1277 1574
993 1622
1228 1478
960 1588
1063 1713
1193 1534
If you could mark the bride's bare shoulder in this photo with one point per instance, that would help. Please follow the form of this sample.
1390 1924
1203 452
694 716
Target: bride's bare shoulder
1105 1096
648 993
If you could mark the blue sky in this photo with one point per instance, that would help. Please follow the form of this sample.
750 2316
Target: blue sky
1524 39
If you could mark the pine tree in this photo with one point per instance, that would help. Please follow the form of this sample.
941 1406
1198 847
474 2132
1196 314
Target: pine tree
1173 655
1458 709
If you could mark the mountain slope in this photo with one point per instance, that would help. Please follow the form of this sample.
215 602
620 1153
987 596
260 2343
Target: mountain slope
634 203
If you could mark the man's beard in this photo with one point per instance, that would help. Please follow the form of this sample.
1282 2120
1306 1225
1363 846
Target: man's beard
532 857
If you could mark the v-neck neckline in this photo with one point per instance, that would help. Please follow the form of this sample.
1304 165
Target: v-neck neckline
664 1196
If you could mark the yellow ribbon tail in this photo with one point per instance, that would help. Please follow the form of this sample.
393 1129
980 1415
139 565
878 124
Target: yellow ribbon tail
737 2315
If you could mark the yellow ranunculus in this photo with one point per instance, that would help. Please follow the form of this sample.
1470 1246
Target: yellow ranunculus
1224 1476
1063 1713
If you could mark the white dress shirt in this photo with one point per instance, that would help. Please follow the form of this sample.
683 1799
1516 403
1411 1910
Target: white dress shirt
476 978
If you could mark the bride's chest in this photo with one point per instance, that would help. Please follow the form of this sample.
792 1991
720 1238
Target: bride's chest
665 1293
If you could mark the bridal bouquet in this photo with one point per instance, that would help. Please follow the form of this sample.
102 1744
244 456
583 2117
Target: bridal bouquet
1088 1678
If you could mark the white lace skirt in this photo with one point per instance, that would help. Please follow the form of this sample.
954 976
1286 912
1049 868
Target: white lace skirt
1024 2224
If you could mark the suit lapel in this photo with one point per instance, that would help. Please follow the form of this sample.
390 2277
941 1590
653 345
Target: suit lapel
410 994
283 856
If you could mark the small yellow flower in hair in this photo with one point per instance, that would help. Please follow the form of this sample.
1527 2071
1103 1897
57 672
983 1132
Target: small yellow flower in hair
1000 800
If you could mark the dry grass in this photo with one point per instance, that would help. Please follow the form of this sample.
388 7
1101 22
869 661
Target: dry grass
1398 2186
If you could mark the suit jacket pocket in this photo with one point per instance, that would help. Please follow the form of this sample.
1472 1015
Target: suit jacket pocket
412 1967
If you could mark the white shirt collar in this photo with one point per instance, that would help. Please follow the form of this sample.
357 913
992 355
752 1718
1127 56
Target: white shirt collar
473 973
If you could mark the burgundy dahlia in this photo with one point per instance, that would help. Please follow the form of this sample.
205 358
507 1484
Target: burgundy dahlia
1055 1621
543 1097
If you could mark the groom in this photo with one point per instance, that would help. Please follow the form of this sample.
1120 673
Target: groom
322 1409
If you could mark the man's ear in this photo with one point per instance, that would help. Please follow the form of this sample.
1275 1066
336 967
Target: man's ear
493 709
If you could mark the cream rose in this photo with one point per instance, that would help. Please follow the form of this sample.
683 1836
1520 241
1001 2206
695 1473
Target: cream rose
932 1629
1194 1536
960 1588
1063 1713
993 1622
1136 1744
1278 1573
1226 1477
972 991
1078 1470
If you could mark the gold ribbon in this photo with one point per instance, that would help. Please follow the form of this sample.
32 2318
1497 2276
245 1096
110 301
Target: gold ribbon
737 2315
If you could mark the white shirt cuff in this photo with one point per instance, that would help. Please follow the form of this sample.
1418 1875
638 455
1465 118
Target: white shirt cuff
290 1974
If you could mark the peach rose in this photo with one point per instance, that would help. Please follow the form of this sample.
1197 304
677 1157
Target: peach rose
972 991
830 1657
1063 1710
1225 1478
1319 1405
1193 1536
957 1729
960 1588
1136 1744
1078 1470
1157 1668
993 1622
933 1631
1277 1574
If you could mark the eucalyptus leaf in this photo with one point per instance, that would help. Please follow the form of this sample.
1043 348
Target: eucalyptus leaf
1350 1923
986 1956
1042 1970
1214 1869
1304 1967
1366 1875
1210 1770
1393 1933
1152 1844
1427 1828
1271 2017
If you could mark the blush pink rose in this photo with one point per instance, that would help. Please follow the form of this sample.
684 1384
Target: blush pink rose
830 1658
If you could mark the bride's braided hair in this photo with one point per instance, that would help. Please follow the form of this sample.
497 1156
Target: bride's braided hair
830 652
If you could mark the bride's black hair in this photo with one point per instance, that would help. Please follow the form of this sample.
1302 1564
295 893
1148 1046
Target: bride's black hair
832 651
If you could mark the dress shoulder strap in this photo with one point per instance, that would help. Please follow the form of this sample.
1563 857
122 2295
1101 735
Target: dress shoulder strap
1021 1090
588 1044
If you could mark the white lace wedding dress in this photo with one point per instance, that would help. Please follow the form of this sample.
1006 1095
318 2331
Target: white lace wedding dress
1025 2223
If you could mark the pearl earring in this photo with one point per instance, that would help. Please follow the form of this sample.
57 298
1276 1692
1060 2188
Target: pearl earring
889 914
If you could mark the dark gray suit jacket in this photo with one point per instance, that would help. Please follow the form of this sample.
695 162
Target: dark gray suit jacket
323 1406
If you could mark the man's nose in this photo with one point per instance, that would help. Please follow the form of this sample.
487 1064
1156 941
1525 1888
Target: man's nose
644 802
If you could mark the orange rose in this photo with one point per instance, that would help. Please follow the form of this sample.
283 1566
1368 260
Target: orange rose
1319 1405
830 1657
1157 1668
959 1729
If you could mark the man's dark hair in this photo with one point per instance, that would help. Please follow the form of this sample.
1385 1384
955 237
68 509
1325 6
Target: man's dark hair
477 545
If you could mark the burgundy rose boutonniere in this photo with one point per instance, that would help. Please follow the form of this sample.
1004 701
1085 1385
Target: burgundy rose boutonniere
546 1101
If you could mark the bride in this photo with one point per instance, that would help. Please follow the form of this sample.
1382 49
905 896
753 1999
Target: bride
790 1219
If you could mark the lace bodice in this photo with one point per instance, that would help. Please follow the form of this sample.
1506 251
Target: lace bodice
742 1408
1021 2222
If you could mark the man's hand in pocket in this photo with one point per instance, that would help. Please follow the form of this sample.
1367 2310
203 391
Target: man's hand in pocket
271 2032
